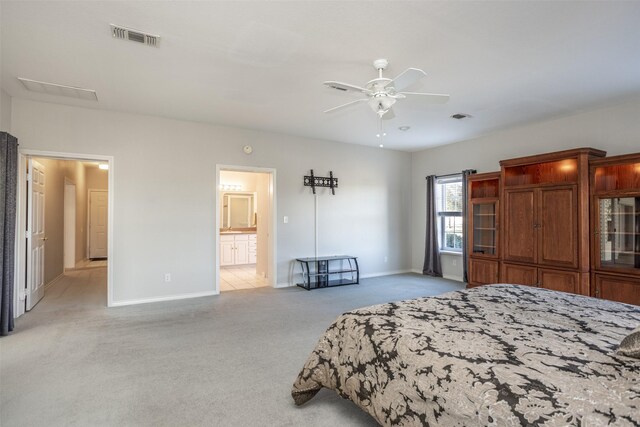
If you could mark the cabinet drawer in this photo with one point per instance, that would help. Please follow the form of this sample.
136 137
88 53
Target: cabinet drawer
227 238
618 288
483 272
242 237
253 238
519 274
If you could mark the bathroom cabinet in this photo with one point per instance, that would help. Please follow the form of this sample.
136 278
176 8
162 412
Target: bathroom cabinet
237 249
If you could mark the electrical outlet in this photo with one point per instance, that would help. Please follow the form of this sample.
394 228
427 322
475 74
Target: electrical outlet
285 219
454 262
167 277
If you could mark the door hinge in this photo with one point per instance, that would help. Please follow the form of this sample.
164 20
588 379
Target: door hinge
27 234
23 295
29 177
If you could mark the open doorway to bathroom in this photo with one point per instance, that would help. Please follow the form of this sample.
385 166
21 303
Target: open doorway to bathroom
244 233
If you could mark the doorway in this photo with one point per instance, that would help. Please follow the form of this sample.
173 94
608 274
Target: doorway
52 239
245 228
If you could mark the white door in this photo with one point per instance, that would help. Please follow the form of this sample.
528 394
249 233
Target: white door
98 206
242 251
226 253
36 238
69 247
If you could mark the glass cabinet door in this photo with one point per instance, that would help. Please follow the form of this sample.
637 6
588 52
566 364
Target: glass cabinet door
619 237
484 228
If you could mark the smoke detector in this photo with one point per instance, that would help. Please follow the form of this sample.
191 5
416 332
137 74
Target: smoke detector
120 32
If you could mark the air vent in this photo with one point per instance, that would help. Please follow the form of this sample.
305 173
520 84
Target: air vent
59 90
137 36
460 116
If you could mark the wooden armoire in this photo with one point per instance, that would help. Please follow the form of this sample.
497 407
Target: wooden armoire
615 228
545 220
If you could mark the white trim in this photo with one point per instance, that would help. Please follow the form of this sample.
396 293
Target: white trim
413 270
384 273
23 154
454 253
273 226
284 285
454 278
19 296
362 276
53 282
164 298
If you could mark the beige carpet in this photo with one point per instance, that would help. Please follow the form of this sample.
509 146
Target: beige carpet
227 360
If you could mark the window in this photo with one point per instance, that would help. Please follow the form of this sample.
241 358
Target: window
449 208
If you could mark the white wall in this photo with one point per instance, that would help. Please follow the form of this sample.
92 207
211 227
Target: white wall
164 173
614 129
5 111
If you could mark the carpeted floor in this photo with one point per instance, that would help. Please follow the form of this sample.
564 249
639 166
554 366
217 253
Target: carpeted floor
228 360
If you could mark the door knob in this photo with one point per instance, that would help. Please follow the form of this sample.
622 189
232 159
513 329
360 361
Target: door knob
44 238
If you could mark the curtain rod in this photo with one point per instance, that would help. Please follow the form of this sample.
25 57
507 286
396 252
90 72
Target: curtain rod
452 174
446 176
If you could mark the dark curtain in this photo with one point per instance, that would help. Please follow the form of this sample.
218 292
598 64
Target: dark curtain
432 266
8 188
465 237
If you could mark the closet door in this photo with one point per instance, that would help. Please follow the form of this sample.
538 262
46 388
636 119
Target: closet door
558 226
519 220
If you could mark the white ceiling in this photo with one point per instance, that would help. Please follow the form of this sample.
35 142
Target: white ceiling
261 65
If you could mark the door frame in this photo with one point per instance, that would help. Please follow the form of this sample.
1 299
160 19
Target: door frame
20 243
272 263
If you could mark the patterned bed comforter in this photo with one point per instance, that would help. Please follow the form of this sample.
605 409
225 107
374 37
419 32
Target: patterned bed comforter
493 355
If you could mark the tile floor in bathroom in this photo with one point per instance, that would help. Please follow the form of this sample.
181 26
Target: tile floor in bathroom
240 277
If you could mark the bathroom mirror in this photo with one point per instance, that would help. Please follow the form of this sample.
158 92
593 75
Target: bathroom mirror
238 210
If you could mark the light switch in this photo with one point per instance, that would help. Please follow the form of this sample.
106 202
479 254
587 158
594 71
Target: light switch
285 219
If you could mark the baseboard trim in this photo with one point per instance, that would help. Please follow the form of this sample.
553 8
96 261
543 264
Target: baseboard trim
284 285
384 273
413 270
161 299
455 278
53 282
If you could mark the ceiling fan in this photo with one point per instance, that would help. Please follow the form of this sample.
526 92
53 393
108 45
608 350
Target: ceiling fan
381 93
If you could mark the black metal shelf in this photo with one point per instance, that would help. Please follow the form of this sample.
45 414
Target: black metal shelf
316 272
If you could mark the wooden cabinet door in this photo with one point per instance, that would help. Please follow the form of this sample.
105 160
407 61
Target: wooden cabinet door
557 226
519 232
519 274
558 280
615 288
483 272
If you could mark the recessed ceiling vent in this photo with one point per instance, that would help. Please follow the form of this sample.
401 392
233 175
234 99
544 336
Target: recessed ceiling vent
137 36
59 90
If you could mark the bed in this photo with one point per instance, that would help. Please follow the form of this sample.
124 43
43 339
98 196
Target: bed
492 355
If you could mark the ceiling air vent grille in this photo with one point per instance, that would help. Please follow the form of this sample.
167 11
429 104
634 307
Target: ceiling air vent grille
137 36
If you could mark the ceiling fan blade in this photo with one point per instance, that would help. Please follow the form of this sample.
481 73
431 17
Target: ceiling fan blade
339 107
407 78
345 87
432 98
389 115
